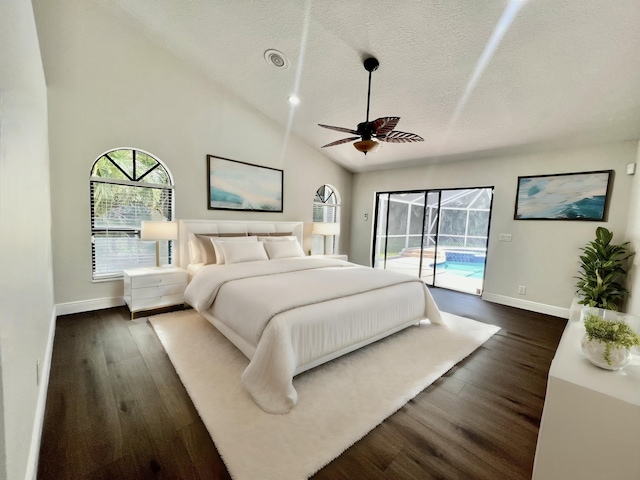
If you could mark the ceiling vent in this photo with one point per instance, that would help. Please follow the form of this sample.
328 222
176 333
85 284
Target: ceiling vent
276 59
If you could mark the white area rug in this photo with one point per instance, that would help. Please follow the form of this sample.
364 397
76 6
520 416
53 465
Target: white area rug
338 403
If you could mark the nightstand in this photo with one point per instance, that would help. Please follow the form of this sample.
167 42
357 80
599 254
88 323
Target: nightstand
154 287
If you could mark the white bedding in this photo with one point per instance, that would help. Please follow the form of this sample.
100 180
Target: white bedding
291 312
192 269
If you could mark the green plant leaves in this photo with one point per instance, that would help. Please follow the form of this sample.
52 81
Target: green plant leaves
602 270
613 333
603 235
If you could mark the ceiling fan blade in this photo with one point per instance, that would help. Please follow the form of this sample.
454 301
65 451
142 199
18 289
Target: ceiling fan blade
384 125
339 129
401 137
340 142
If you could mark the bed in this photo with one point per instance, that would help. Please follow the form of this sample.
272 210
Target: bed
285 311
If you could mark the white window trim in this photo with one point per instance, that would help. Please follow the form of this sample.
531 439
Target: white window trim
106 277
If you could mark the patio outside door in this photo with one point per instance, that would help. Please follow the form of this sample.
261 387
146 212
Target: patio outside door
437 235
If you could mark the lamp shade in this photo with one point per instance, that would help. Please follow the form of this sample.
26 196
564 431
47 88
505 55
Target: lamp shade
326 229
159 231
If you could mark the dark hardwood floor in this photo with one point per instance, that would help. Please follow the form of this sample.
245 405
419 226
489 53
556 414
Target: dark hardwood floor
117 410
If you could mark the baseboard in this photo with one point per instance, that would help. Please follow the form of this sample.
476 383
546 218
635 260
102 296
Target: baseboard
38 422
88 305
527 305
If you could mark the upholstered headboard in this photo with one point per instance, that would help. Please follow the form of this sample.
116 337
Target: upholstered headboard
185 227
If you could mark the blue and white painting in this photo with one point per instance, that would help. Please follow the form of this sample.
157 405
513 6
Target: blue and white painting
573 196
241 186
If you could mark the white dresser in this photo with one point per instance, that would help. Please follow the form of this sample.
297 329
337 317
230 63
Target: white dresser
590 427
154 287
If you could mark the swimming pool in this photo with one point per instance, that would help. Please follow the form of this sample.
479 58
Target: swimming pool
463 269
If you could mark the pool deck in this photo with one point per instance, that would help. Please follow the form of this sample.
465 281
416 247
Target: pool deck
443 279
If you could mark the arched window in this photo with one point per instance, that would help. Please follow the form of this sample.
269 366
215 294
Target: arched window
127 187
326 209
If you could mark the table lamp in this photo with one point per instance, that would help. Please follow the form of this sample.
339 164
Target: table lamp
325 229
158 231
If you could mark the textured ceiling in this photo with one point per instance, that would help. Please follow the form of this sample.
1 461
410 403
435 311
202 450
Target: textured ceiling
473 77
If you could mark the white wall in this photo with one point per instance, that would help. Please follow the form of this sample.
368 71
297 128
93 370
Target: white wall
26 285
543 255
111 86
632 235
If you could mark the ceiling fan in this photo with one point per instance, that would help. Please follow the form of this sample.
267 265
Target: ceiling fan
381 129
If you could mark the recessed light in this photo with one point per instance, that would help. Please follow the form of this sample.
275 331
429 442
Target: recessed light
294 99
276 59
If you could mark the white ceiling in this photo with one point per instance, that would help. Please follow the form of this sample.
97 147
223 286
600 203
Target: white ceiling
562 73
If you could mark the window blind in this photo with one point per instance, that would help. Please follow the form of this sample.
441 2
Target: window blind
117 210
326 210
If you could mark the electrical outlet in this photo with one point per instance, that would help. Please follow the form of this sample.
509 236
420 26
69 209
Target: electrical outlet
522 290
366 217
505 237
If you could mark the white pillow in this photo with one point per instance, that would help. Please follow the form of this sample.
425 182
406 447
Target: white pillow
194 249
285 249
277 239
218 240
238 252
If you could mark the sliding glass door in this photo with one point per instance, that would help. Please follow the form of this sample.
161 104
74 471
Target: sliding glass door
399 231
437 235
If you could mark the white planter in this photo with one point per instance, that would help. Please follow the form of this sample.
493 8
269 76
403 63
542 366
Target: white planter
594 350
603 313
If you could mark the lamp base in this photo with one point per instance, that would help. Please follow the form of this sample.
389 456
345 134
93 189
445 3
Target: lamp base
158 257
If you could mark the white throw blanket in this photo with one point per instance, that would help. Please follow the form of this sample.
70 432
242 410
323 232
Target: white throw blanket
249 297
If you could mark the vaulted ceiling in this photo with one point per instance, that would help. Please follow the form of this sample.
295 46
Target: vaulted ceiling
472 77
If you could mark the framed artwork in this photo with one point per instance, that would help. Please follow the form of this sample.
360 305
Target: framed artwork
233 185
564 196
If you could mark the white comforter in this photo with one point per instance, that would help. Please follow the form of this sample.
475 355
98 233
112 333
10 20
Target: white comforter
296 310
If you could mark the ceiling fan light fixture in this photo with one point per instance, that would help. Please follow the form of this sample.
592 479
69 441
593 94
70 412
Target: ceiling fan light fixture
366 146
382 128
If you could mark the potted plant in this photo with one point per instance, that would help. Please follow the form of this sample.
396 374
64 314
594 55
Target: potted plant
607 342
602 270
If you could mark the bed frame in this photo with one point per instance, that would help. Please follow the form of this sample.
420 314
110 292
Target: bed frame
185 227
233 226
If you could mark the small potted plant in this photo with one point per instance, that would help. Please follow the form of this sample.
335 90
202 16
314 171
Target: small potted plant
606 343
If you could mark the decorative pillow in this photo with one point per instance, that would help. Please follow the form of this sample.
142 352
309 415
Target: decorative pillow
285 249
207 254
238 252
218 251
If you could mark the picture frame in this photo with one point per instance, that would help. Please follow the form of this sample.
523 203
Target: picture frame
241 186
564 196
